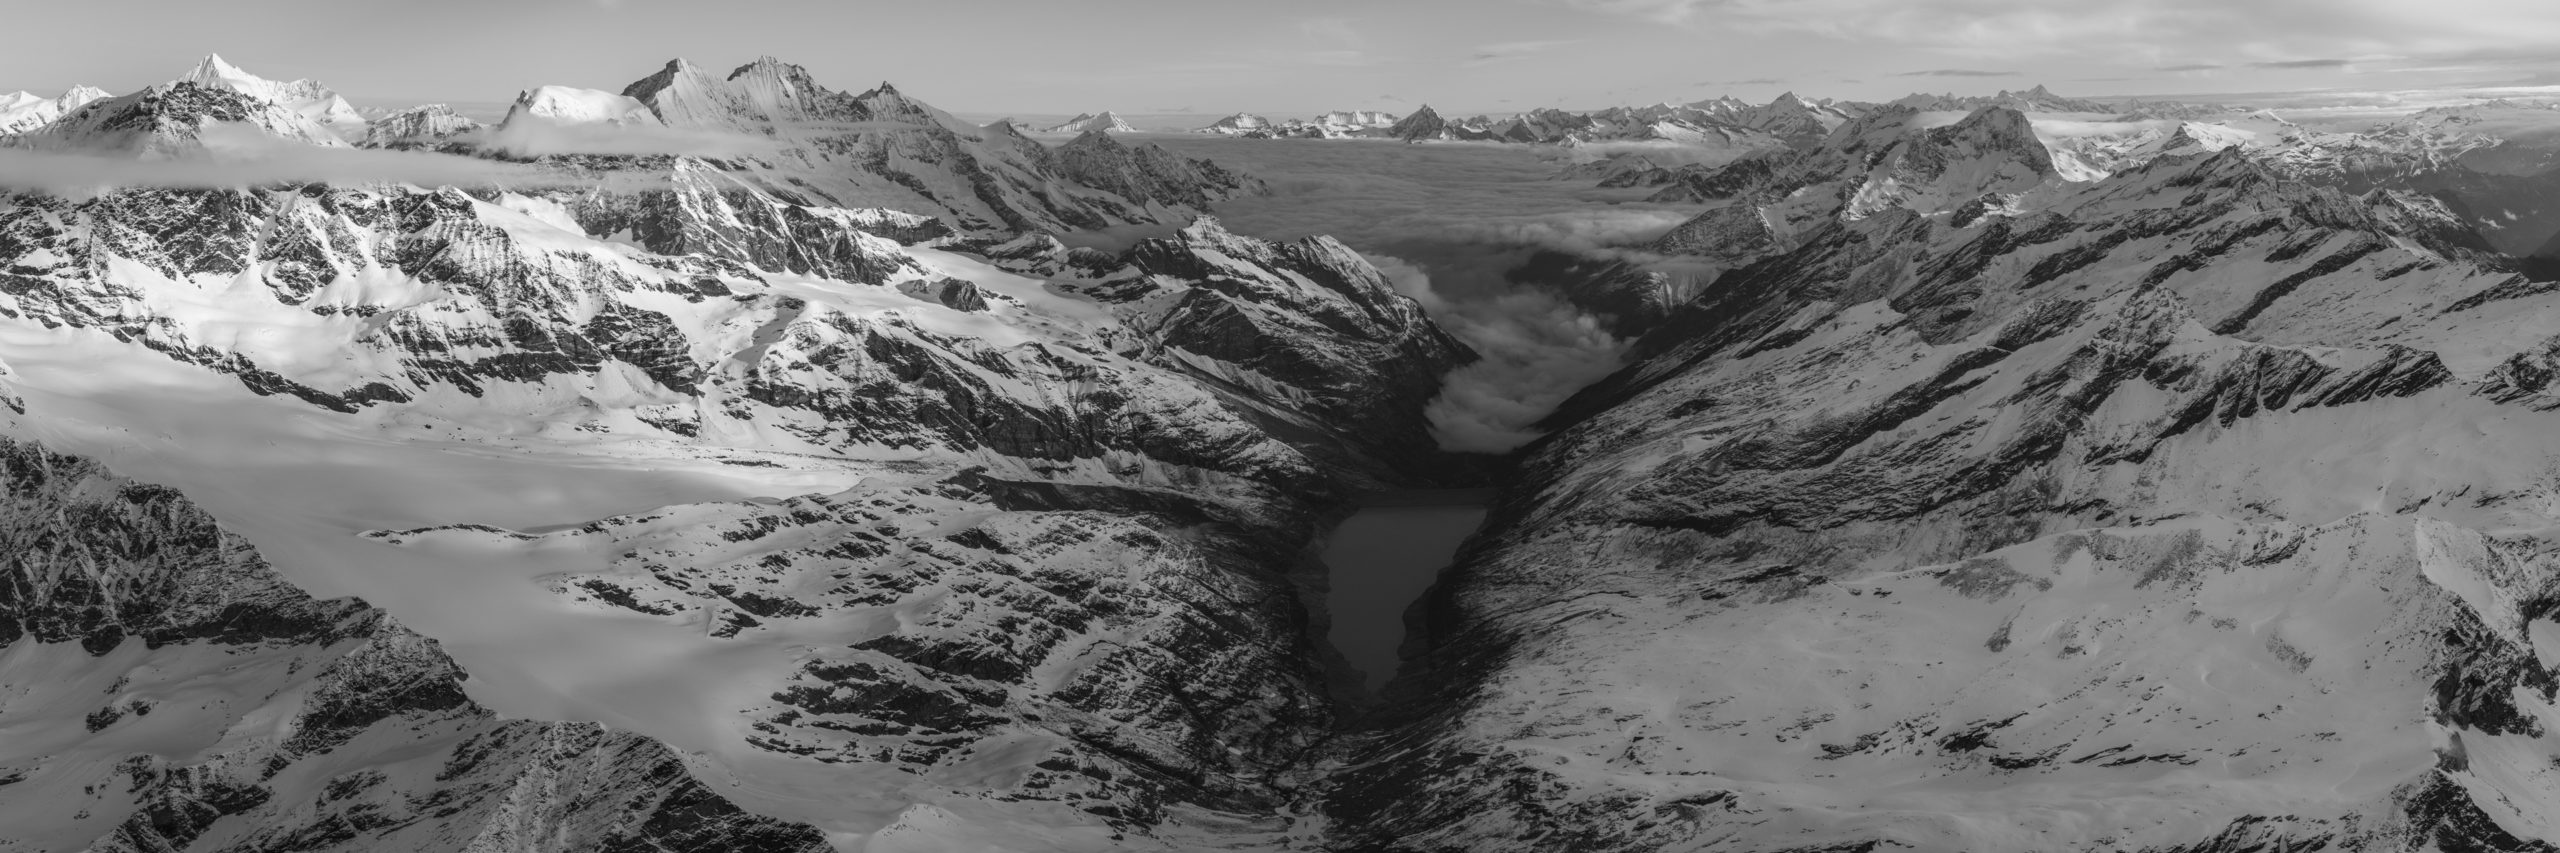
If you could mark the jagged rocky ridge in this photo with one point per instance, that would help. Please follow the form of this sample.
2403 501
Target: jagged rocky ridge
881 148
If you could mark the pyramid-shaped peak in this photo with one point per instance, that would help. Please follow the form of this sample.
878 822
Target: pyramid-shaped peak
1998 120
677 69
1208 228
1095 137
215 66
771 68
215 71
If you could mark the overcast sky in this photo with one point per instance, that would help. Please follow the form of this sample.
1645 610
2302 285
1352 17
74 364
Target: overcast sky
1217 56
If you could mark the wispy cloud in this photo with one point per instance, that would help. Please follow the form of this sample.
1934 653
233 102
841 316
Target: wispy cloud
2192 66
241 156
534 136
1957 72
2148 33
2304 63
1502 51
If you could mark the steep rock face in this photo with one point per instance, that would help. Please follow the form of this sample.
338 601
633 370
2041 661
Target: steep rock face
2114 516
1240 313
1148 174
168 692
420 126
712 213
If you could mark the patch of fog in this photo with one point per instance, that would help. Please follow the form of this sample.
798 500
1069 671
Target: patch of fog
1451 224
1538 350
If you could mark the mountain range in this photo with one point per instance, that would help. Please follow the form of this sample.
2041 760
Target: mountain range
751 465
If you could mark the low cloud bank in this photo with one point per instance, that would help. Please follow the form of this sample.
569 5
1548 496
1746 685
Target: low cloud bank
234 155
1538 350
1451 225
535 136
240 156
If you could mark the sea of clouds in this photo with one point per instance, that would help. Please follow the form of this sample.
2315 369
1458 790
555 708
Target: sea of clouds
1450 224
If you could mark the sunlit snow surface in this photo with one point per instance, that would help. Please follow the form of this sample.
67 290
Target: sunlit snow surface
304 485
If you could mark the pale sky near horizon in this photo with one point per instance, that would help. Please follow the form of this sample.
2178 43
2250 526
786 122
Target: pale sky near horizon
1219 56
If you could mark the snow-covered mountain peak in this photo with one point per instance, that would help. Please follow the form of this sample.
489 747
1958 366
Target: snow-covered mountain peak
751 97
167 120
1421 124
24 112
1103 122
214 71
313 101
573 105
1239 124
682 94
1999 128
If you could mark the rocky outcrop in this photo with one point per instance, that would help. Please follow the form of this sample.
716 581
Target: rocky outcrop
1306 334
426 126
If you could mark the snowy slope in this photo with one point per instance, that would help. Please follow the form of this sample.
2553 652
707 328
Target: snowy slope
399 393
24 112
166 690
882 149
1104 122
169 120
1240 124
314 102
2193 508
